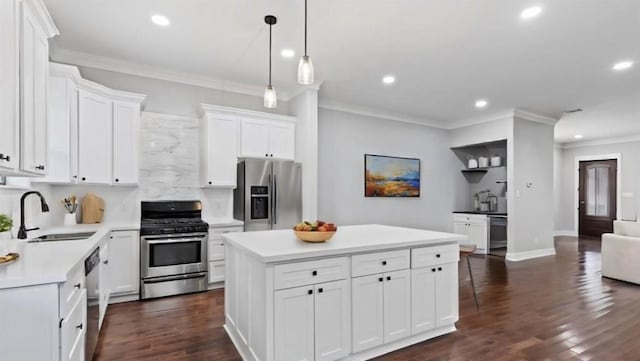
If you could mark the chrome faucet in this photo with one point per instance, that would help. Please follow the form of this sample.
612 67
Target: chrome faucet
22 233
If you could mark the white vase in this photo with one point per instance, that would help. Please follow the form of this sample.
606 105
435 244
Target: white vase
70 219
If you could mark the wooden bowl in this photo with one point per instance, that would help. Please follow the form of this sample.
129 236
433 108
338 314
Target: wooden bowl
314 237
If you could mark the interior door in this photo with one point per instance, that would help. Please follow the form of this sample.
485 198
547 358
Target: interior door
597 197
287 194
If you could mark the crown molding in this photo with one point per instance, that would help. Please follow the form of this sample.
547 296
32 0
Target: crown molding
601 141
519 113
165 116
481 120
161 73
229 112
43 17
375 113
301 89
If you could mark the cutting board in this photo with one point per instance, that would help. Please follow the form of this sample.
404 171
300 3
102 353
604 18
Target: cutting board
92 209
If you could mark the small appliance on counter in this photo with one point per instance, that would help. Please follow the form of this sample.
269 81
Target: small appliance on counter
173 248
92 209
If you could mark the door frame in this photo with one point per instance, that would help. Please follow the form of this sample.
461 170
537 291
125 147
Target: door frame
576 195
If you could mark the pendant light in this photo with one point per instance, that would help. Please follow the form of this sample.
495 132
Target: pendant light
270 97
305 67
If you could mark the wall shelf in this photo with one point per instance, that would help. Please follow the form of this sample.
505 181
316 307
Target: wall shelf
479 170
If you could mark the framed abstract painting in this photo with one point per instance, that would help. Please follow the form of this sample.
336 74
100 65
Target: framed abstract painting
386 176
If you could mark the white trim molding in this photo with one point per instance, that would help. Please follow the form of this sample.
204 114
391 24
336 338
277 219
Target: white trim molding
510 114
601 141
567 232
521 256
220 110
519 113
576 182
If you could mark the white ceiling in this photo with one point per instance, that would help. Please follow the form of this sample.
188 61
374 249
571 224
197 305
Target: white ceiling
445 54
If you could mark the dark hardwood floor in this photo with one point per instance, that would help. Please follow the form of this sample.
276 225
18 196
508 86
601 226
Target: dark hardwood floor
551 308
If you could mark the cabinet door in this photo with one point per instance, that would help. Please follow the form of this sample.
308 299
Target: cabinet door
255 139
367 311
461 228
423 299
397 305
477 232
221 153
95 132
332 320
126 125
446 291
282 140
105 282
124 269
73 330
216 271
9 98
293 323
34 65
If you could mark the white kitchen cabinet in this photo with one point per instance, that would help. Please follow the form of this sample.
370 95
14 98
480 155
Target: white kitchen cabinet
434 302
475 227
126 125
397 305
105 282
368 312
267 138
124 276
216 271
95 138
215 250
219 150
34 72
9 86
313 322
73 329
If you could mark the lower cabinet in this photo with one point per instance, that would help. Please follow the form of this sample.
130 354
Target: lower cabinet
73 330
313 322
475 227
434 297
381 309
124 277
105 284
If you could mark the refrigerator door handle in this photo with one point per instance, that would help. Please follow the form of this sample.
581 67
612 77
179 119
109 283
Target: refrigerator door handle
275 200
270 202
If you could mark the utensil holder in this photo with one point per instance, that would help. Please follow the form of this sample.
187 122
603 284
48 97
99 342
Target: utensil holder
70 219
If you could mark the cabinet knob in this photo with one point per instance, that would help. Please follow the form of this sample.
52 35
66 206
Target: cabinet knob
84 178
384 263
5 157
271 155
79 327
388 278
117 180
210 182
77 285
75 177
266 155
438 255
314 273
380 279
310 292
439 268
320 290
106 262
40 167
433 270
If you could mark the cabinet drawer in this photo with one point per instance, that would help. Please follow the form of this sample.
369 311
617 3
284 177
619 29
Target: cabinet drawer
429 256
466 218
216 232
73 329
216 271
370 263
70 290
215 250
307 273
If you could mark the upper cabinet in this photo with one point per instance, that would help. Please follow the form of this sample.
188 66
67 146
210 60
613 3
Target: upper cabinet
93 132
25 28
228 134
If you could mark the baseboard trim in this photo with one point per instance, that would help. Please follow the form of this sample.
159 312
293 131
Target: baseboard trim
124 298
521 256
565 232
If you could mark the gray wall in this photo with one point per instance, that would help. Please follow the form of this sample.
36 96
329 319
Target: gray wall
346 137
176 98
565 203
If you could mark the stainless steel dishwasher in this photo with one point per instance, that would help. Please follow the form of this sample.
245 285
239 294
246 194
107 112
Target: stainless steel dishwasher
92 274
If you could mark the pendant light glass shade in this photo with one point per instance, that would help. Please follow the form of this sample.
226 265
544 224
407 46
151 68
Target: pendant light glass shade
270 98
305 71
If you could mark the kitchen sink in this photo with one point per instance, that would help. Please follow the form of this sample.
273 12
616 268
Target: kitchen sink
62 237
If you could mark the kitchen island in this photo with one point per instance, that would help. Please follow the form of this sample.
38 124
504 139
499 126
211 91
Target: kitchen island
370 290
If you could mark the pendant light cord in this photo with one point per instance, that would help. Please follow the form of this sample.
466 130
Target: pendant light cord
270 26
305 27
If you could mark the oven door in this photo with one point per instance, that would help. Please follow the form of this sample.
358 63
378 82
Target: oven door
168 255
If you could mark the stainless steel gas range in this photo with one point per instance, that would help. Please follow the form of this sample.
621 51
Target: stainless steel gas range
173 248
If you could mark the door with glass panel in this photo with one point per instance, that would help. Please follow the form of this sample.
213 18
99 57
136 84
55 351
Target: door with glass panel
597 197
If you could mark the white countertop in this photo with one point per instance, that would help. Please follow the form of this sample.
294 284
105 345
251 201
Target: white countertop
282 245
51 262
223 222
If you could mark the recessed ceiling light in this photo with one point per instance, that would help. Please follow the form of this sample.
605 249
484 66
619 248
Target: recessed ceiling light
531 12
623 65
287 53
481 103
160 20
389 79
578 136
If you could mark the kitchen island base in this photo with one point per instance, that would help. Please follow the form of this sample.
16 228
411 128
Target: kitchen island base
370 291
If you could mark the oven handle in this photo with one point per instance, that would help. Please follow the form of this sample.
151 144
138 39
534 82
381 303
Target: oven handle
173 240
175 278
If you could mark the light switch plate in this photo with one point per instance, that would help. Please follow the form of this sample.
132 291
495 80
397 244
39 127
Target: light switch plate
627 195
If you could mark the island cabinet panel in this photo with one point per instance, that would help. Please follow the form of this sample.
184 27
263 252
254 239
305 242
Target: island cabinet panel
434 303
446 294
294 328
368 312
308 273
370 263
397 305
332 320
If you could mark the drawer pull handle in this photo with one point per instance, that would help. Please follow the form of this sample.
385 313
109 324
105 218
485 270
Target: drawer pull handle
388 278
77 285
310 292
314 273
5 157
438 255
106 262
439 268
320 290
79 327
384 263
433 270
380 279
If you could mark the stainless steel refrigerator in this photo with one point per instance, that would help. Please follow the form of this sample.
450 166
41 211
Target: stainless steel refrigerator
268 194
